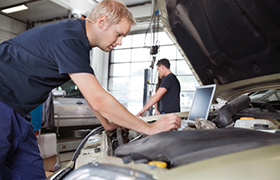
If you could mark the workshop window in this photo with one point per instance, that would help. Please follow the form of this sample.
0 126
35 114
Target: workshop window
127 64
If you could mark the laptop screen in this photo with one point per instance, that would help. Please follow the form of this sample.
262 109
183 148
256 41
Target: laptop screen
202 101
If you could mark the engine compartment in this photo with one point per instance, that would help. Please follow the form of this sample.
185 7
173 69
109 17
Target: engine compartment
177 148
182 147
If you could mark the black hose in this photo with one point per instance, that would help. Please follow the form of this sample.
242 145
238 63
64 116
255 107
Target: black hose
225 113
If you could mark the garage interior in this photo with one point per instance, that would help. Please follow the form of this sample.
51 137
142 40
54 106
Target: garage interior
68 132
127 72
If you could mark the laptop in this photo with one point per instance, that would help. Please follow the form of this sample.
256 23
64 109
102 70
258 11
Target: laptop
201 104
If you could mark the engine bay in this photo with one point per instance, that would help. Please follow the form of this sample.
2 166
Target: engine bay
176 148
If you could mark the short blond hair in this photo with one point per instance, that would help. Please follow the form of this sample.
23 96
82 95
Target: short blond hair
114 10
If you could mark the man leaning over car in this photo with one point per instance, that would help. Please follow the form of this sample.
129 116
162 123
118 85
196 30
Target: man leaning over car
42 58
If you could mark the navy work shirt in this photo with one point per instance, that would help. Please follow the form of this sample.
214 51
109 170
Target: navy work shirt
38 60
170 101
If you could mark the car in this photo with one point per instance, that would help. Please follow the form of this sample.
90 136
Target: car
269 99
71 108
73 118
233 44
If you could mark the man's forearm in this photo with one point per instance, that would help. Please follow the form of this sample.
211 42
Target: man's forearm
115 112
149 104
155 98
103 121
109 108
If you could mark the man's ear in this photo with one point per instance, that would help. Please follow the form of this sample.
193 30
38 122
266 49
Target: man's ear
101 21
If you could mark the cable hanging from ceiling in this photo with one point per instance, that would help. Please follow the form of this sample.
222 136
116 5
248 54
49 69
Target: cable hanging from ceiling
154 22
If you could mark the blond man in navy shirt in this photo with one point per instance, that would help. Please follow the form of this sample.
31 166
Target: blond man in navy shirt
45 57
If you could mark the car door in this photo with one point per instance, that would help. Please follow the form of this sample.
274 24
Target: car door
71 108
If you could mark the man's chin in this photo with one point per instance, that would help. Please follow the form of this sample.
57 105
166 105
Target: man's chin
106 49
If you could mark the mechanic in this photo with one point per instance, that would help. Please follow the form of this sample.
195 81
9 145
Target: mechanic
40 59
168 93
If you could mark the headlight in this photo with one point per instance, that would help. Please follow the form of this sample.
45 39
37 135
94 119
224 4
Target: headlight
106 172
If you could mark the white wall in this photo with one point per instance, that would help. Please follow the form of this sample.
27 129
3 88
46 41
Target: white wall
99 63
10 28
80 7
141 10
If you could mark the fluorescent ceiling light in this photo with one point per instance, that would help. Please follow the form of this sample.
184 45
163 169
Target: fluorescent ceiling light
15 9
97 1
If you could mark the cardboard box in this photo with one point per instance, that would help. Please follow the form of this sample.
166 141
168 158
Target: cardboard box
49 162
48 174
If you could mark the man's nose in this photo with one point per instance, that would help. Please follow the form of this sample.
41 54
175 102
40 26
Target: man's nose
119 41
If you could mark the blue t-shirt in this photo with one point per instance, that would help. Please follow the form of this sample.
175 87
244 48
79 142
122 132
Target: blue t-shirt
38 60
170 101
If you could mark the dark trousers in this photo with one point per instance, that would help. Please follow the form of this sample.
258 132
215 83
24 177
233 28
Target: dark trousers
19 152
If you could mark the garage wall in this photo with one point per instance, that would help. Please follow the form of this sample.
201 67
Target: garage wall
10 28
99 62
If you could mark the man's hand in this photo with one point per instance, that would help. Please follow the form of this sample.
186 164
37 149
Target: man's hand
166 123
153 100
157 112
140 114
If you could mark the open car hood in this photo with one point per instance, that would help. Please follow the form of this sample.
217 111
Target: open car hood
232 43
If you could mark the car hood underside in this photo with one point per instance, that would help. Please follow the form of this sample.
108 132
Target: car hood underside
182 147
228 41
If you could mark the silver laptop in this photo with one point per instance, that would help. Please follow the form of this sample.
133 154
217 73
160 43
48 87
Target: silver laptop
201 104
